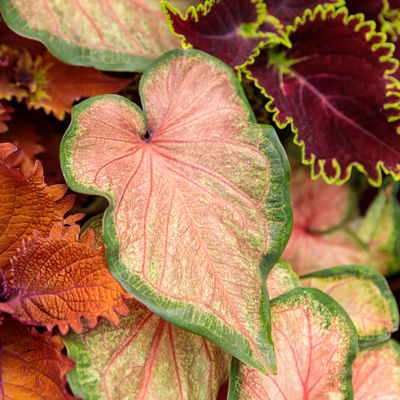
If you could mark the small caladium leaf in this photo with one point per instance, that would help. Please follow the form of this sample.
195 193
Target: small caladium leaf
281 279
81 35
26 205
179 222
380 230
287 10
340 114
31 365
315 345
57 280
234 41
145 357
365 296
376 372
96 223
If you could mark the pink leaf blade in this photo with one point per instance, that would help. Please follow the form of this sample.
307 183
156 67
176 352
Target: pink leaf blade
281 279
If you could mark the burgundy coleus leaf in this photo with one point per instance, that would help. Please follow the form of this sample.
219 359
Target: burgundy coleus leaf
199 198
226 29
31 365
370 8
315 345
331 86
376 372
145 357
286 11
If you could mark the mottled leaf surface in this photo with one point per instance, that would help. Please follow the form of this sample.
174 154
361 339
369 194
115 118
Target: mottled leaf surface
281 279
26 205
32 366
199 198
376 372
57 280
365 296
118 35
145 357
315 345
331 86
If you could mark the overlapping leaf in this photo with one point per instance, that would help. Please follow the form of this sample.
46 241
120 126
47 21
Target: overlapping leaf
376 372
31 365
57 280
281 279
315 344
145 357
225 29
197 196
365 296
119 35
26 205
5 111
370 8
332 87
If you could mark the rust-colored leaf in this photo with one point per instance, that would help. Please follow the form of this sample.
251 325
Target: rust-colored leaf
57 280
26 205
5 111
32 366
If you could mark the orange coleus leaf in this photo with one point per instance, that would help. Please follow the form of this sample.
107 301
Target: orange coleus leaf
57 280
26 205
32 366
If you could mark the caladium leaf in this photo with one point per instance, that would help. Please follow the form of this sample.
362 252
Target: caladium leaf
145 357
365 296
80 34
376 372
31 365
26 205
288 10
57 280
96 223
201 193
226 29
281 279
315 344
335 96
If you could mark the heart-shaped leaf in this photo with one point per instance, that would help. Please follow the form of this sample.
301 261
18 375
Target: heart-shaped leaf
365 296
27 205
145 357
315 345
376 372
281 279
120 35
199 198
226 29
57 280
31 365
332 87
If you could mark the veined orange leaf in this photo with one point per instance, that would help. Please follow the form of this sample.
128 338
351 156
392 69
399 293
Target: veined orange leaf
199 198
57 280
145 357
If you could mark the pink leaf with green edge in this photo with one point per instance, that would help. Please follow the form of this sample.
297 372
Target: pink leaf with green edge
226 29
109 35
288 10
315 345
332 87
365 296
376 372
281 279
199 198
145 357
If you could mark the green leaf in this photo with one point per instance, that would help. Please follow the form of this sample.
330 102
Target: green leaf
124 35
281 279
144 357
315 345
199 198
366 297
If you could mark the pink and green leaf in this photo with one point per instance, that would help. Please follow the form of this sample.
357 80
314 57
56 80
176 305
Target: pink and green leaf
225 29
365 296
315 345
376 372
332 87
125 35
281 279
145 357
198 192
